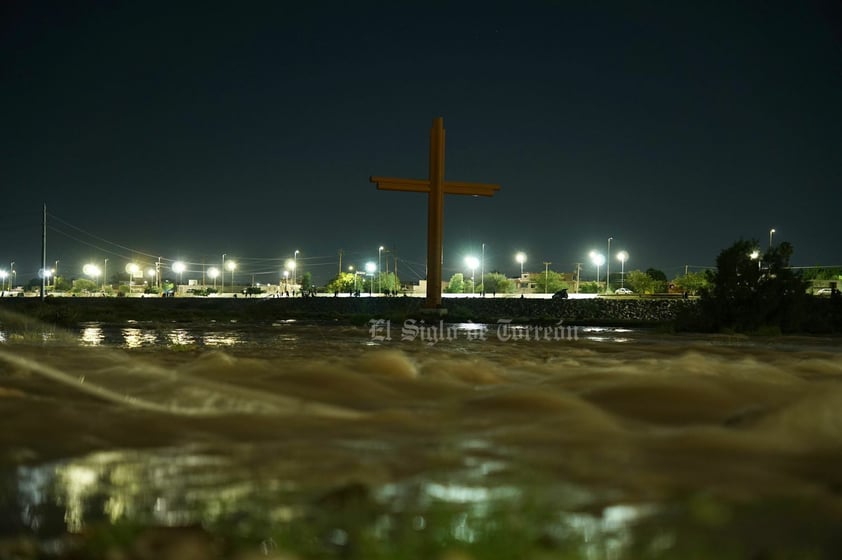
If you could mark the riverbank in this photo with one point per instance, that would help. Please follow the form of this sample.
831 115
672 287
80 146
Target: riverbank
596 311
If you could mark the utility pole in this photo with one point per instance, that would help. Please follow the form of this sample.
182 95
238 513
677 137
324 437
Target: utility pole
685 270
608 268
44 256
340 264
578 272
546 276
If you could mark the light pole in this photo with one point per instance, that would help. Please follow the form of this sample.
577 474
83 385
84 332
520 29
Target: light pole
521 258
608 268
179 267
294 267
286 279
222 286
231 266
152 274
482 270
3 275
290 264
55 275
131 269
370 267
351 270
93 271
380 268
623 256
472 263
213 272
771 232
598 260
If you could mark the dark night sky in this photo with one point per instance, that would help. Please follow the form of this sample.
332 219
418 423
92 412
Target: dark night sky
189 130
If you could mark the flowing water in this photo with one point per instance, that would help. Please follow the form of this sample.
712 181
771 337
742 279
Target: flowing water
315 440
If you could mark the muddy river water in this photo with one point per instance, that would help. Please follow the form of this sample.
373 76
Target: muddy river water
320 440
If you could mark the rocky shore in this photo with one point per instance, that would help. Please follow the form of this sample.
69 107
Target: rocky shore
597 311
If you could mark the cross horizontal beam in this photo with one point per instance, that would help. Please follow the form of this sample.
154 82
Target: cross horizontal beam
423 186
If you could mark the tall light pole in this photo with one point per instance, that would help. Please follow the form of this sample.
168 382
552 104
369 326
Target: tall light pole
231 266
222 286
213 272
482 269
598 260
370 267
55 275
547 276
179 267
623 256
104 273
295 267
608 268
771 232
472 263
521 258
379 270
3 275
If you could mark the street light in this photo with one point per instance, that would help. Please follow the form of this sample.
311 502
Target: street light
370 267
521 258
771 232
152 274
179 267
213 272
380 268
622 256
91 270
290 264
608 268
598 259
231 266
132 269
472 263
3 276
104 273
351 271
294 267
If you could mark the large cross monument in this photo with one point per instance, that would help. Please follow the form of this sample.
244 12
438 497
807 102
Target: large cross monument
435 187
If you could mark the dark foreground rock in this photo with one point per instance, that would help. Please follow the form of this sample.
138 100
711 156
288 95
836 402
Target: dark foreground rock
604 311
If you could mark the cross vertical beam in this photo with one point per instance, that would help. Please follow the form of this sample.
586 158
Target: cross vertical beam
435 187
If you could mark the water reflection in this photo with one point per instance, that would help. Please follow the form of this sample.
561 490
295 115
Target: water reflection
92 336
137 338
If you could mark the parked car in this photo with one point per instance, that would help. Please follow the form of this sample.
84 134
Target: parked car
823 292
623 292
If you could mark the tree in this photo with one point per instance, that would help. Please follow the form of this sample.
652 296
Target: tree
749 291
456 284
306 282
692 282
81 285
660 279
343 282
640 282
548 281
497 283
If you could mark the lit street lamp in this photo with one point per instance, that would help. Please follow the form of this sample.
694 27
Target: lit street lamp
521 258
379 268
132 269
231 266
370 267
622 256
598 259
294 267
771 232
608 268
213 272
3 276
290 264
472 263
92 270
179 267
